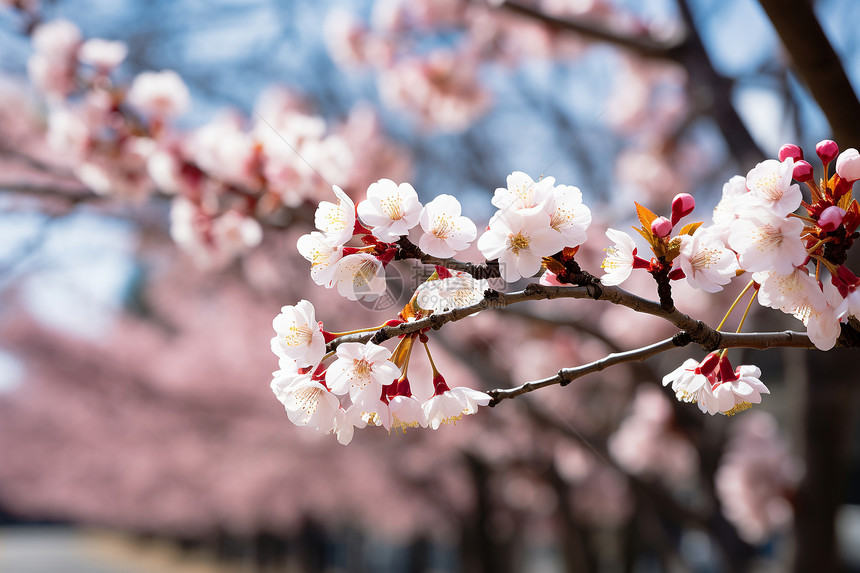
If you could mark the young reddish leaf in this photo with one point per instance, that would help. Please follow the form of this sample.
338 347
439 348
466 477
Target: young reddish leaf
569 252
649 236
646 216
690 228
553 265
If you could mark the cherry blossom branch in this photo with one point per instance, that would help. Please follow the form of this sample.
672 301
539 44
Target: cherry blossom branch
642 45
697 331
406 249
689 52
565 376
818 64
50 191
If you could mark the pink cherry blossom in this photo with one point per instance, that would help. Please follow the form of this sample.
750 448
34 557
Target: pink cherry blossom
848 164
159 94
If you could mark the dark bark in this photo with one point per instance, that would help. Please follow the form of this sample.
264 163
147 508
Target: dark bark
818 65
827 424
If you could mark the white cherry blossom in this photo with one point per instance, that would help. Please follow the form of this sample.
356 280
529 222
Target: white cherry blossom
309 403
359 276
728 209
369 411
322 256
361 370
770 185
519 240
390 210
620 257
450 406
766 242
735 393
687 381
298 334
406 412
336 220
822 323
460 289
705 260
284 378
446 232
568 215
523 192
793 292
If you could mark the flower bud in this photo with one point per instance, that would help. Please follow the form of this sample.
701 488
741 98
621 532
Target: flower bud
831 218
802 171
848 165
661 227
827 150
682 205
790 150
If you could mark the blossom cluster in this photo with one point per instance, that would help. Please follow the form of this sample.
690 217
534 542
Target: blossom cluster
374 378
796 261
755 230
224 177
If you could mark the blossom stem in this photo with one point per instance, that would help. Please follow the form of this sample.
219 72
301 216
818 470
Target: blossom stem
359 331
403 351
746 312
802 218
734 304
432 364
818 244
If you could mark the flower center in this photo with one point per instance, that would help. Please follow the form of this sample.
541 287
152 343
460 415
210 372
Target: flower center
704 259
518 242
442 228
308 399
393 207
363 275
298 335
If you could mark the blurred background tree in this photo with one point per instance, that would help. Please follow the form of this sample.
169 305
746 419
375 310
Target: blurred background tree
134 373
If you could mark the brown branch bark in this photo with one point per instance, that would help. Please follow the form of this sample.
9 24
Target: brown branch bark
817 63
709 89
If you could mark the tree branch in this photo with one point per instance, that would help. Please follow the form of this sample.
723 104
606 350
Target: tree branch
641 45
406 249
818 64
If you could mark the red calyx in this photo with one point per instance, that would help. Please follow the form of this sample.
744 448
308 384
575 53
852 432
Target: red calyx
443 272
439 385
709 364
727 371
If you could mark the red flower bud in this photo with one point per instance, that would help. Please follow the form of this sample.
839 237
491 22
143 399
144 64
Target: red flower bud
661 227
802 171
790 150
831 218
827 150
682 205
